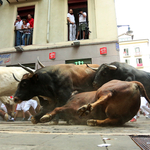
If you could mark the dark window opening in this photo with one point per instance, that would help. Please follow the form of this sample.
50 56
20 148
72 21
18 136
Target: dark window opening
23 12
76 5
32 65
79 61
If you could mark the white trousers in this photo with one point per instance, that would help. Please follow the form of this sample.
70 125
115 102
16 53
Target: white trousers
72 32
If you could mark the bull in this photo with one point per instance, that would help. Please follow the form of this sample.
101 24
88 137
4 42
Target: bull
121 71
55 84
8 85
113 104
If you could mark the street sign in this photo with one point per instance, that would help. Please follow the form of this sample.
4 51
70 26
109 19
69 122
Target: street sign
103 50
52 55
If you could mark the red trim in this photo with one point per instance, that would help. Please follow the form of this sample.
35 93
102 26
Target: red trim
76 1
25 8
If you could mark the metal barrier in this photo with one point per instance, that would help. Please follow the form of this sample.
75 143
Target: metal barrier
87 31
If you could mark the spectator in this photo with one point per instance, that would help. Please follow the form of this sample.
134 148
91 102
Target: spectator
18 23
26 32
31 21
82 23
25 106
7 117
144 108
72 25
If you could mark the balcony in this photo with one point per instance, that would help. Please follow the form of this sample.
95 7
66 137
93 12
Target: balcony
17 1
26 36
137 54
140 65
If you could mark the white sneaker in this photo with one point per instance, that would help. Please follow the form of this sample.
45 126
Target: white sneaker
29 118
148 116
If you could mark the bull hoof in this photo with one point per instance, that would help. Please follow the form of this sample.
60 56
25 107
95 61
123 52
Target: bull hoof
34 121
91 122
55 122
6 117
45 118
84 110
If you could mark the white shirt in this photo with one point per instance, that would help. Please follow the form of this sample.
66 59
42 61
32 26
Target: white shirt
81 18
26 26
18 25
71 17
21 105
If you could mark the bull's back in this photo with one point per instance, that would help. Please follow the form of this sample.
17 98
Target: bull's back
81 99
8 84
118 88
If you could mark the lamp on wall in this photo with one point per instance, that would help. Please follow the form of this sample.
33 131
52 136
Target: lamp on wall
129 32
19 49
76 43
1 2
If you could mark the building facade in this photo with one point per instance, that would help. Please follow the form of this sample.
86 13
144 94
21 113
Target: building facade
136 53
50 34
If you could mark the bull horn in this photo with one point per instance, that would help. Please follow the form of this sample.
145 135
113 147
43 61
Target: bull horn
40 63
111 67
27 68
95 69
16 78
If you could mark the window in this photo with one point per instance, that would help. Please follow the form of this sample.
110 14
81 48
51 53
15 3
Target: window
126 52
139 62
127 61
76 5
32 65
79 61
137 51
23 12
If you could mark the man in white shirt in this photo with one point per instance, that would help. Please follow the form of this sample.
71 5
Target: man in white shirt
18 23
72 25
82 23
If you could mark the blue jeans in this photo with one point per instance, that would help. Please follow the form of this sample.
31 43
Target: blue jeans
23 38
18 38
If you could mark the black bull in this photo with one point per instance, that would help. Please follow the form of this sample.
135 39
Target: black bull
54 83
121 71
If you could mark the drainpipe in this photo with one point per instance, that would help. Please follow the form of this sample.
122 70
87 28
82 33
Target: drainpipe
48 20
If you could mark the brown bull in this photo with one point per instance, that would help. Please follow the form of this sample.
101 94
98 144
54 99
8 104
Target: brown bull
115 103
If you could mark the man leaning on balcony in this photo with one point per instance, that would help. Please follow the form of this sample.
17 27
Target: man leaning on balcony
72 25
18 23
82 23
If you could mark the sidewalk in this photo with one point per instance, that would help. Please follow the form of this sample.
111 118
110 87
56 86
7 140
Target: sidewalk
23 135
29 141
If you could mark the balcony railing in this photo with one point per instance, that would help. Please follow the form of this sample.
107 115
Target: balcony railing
26 35
87 31
140 65
17 1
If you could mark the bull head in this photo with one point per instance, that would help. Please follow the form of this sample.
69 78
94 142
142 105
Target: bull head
27 69
111 67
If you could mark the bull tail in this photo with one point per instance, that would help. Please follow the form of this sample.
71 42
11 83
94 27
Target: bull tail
142 90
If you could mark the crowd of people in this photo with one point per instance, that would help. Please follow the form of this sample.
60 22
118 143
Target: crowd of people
24 107
24 29
72 24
